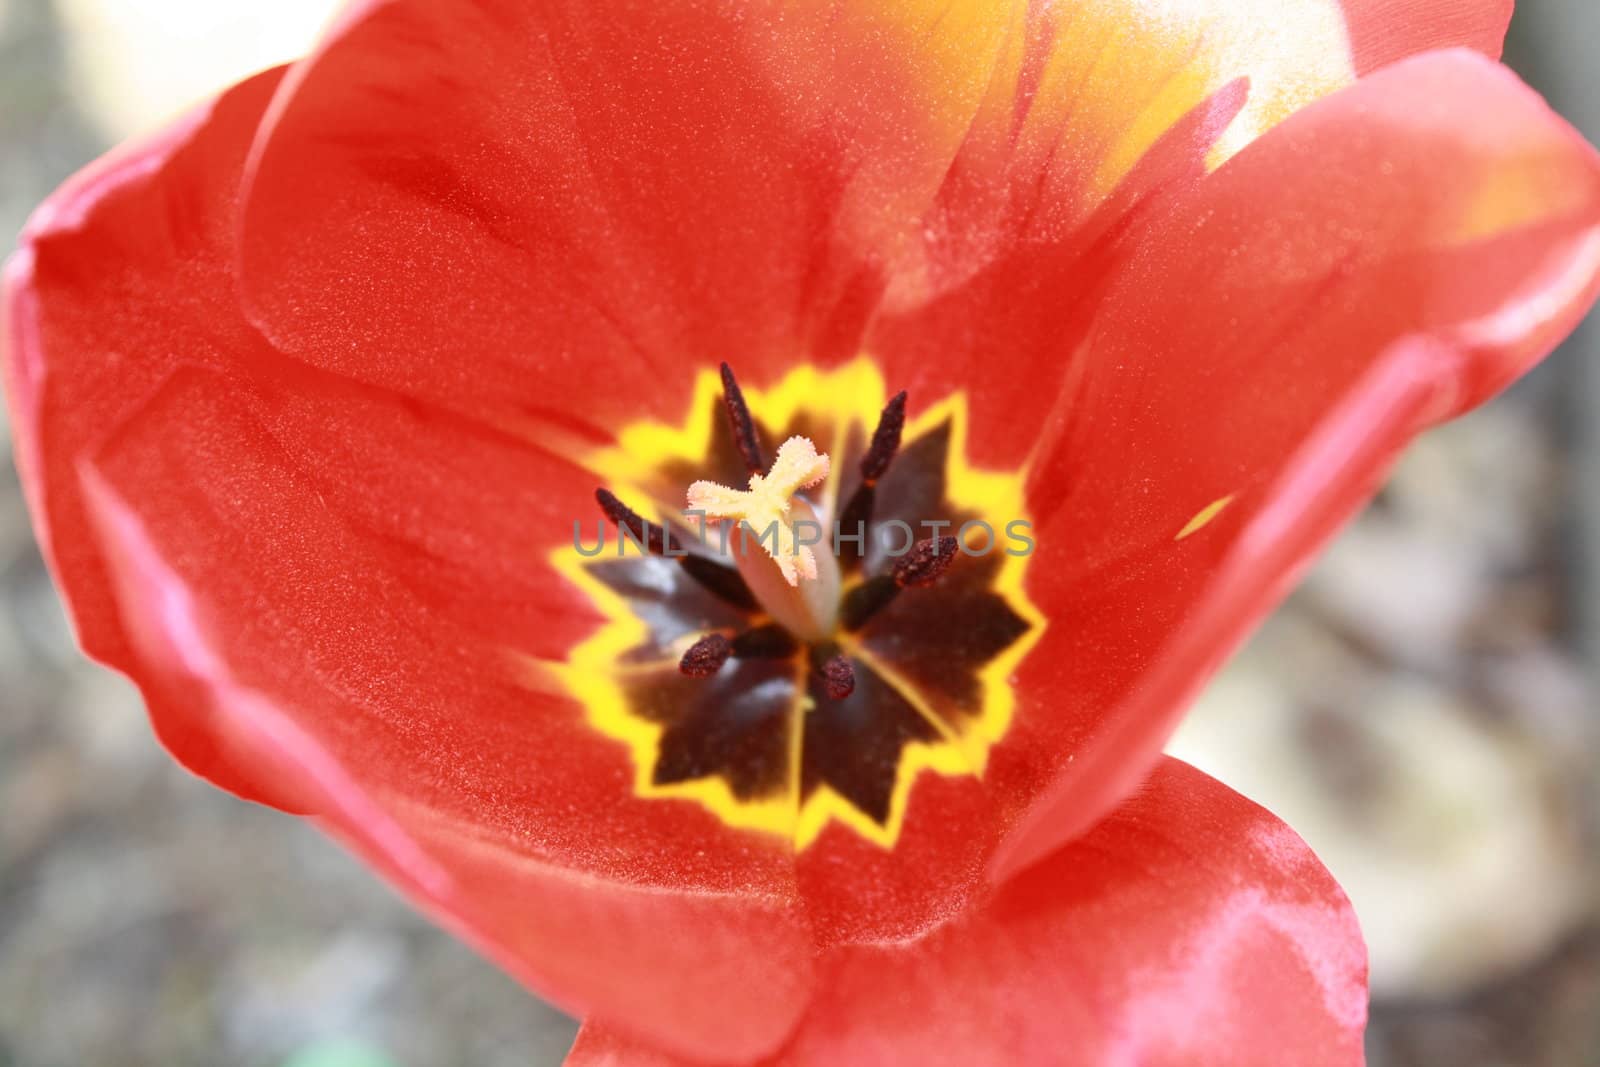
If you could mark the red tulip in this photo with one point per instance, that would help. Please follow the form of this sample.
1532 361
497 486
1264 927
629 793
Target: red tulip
309 390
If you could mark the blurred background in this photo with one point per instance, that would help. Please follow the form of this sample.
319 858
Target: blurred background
1423 710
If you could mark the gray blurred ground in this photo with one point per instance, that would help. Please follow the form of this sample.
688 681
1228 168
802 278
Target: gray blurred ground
1422 711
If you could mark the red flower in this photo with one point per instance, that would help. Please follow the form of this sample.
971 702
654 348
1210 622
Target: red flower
309 389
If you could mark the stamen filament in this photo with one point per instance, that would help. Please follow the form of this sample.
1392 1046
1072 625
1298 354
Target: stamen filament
925 564
765 642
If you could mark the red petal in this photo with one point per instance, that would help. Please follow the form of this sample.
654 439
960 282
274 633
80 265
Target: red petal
359 611
584 201
1096 108
123 277
653 185
62 396
1384 31
368 573
1256 351
600 1046
456 782
781 182
1089 125
1190 927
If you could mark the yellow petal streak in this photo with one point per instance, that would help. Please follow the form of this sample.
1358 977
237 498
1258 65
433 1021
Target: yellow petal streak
1120 73
1203 518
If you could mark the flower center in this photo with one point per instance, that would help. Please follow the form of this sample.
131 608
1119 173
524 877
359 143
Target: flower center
798 587
771 651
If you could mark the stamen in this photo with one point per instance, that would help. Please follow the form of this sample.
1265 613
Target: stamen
925 564
857 513
885 439
720 580
649 535
706 656
838 678
765 642
744 427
